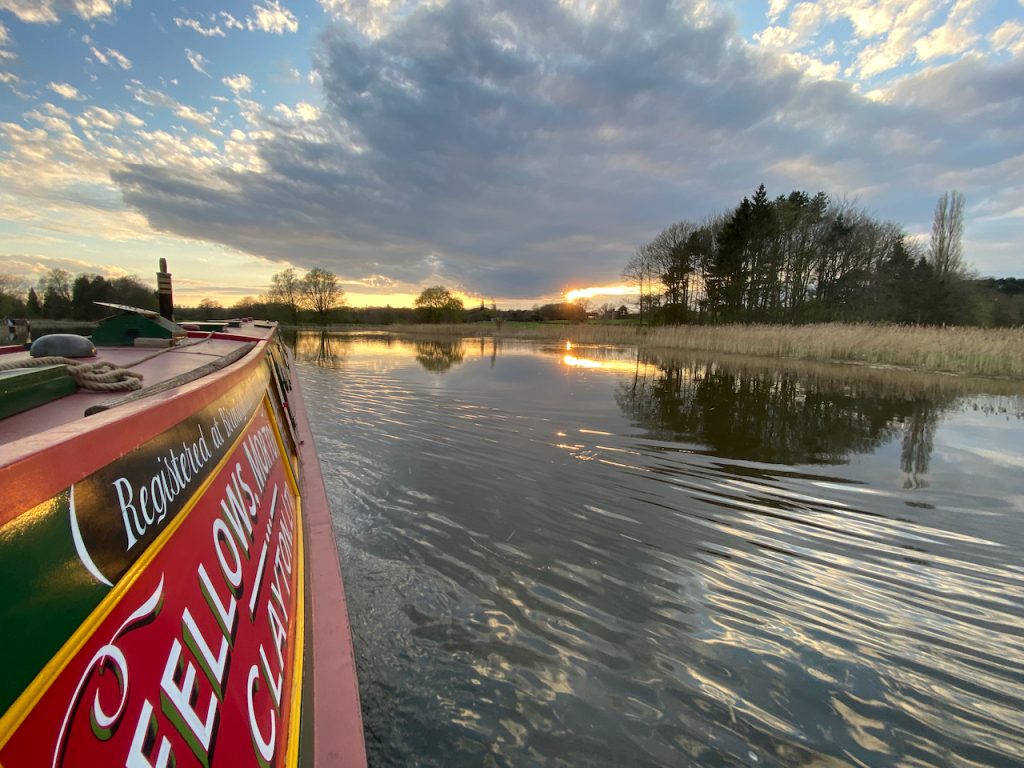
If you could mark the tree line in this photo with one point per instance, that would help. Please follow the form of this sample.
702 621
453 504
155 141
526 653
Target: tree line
60 295
805 258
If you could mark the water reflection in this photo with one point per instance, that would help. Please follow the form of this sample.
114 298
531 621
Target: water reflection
439 356
918 443
779 416
556 563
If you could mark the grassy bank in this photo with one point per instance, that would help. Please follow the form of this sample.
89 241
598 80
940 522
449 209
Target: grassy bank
997 352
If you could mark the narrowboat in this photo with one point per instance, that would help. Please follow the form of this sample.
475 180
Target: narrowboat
170 589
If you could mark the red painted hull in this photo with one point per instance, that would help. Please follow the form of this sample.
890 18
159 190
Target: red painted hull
172 585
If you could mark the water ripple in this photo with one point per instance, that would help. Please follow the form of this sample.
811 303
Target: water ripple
538 577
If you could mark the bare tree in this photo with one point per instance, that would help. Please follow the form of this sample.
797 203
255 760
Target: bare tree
321 292
210 307
12 294
640 270
946 251
286 289
55 287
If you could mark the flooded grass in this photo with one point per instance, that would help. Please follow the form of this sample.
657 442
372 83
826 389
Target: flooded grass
995 352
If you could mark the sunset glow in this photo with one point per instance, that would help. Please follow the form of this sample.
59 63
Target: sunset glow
601 290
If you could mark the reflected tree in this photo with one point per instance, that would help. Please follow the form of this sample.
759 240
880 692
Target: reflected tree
777 416
439 356
918 444
321 348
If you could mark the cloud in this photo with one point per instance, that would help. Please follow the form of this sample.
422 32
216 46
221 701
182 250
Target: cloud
230 21
274 18
374 18
508 149
111 58
197 60
66 90
120 59
97 117
197 26
304 112
1009 36
37 265
885 37
154 98
238 83
286 73
49 11
132 120
271 17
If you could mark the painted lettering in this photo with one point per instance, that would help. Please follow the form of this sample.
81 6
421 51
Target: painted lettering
264 744
145 735
225 613
179 693
227 550
214 665
124 500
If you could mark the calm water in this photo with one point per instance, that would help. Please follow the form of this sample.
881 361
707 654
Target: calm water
577 557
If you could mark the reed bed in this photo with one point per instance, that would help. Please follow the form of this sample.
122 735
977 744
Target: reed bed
989 352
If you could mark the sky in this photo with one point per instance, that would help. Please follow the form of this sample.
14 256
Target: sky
508 150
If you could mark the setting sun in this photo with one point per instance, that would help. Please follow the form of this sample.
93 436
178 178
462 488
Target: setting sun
601 290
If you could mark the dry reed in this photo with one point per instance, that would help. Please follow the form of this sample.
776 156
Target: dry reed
990 352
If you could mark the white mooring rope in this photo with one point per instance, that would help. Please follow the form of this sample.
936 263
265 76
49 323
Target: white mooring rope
96 377
102 376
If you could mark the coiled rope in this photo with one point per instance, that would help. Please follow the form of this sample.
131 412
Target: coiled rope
96 377
101 376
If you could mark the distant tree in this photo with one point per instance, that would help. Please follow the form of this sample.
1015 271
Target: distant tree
32 304
209 308
85 291
946 250
571 311
804 258
322 293
286 288
12 295
641 270
55 286
132 291
437 305
247 306
481 314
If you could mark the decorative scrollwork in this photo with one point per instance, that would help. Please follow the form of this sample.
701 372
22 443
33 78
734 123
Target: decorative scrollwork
109 658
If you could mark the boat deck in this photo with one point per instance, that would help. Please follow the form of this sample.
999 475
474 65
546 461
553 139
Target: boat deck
171 363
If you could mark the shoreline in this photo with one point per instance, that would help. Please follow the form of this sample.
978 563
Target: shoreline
996 353
993 353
